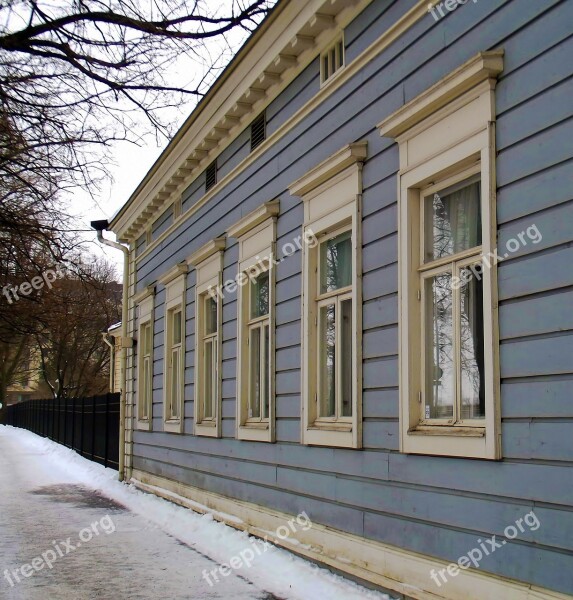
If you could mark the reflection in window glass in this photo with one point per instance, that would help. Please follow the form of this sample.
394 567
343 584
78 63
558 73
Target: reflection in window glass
440 374
260 295
336 262
453 220
327 367
472 347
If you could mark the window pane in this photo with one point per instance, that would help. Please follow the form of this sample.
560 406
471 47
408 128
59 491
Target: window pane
327 366
440 375
208 379
177 327
266 374
175 373
255 373
145 389
336 262
346 356
260 296
453 220
210 315
472 347
146 339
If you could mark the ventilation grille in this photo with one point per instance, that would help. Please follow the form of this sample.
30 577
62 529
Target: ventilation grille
211 175
258 131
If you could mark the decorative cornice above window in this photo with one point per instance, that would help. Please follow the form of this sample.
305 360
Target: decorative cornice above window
173 273
206 251
250 221
143 294
485 66
333 165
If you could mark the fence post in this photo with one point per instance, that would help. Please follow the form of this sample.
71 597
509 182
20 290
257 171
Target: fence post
93 425
106 437
82 429
73 420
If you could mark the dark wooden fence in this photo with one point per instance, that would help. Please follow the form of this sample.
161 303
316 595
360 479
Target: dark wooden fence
90 426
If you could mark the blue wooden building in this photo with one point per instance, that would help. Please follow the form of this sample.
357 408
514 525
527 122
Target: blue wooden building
351 294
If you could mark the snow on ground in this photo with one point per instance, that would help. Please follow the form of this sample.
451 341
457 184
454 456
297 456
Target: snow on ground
275 570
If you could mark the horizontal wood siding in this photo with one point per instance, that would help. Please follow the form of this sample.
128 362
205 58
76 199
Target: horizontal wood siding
433 505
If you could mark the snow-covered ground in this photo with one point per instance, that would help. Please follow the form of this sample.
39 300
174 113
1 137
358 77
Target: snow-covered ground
50 494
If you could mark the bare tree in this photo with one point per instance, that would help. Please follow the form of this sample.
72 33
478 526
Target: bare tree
73 74
74 361
75 77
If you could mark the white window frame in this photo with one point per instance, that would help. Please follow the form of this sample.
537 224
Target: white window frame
332 195
334 55
445 135
256 234
208 263
144 302
175 281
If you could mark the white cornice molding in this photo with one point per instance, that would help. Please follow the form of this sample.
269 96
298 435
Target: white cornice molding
482 67
130 221
175 271
206 251
256 217
143 294
329 168
241 93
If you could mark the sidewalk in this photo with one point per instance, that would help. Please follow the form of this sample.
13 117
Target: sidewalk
104 540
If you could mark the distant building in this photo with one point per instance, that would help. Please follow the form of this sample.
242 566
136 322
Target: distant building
114 338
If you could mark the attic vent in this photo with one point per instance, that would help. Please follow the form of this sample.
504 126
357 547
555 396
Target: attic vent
332 60
258 131
211 175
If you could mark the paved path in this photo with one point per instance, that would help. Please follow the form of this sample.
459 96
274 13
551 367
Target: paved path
43 512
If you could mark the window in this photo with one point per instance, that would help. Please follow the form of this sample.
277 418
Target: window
334 302
211 175
332 322
258 341
174 352
146 370
256 346
332 60
208 262
210 353
144 380
452 315
258 131
449 375
174 357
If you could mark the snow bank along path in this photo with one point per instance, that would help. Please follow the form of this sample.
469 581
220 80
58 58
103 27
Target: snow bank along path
276 570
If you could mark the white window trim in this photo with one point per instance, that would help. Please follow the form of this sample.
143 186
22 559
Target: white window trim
144 302
175 287
332 196
208 263
256 233
446 133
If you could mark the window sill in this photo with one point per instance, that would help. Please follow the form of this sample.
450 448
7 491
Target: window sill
173 426
207 429
330 426
143 424
255 432
448 430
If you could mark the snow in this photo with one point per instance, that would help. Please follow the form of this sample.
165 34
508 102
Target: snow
274 569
